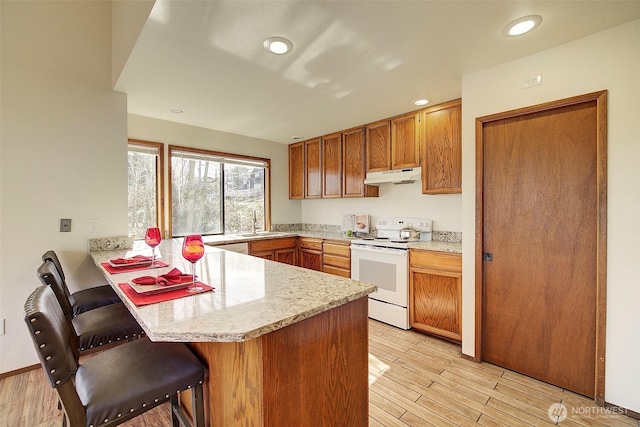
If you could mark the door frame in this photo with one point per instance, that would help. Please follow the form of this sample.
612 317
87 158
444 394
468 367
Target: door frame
600 98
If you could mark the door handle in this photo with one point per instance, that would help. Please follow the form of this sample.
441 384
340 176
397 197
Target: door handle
487 256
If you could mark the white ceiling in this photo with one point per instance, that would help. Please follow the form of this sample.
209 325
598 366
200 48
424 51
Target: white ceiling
353 62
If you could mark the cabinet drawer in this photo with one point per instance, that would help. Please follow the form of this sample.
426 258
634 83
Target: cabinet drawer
335 248
272 244
337 271
435 260
311 243
336 261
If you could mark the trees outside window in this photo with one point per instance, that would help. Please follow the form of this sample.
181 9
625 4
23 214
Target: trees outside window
144 178
216 193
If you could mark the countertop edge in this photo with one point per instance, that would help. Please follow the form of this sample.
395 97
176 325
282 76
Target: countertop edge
434 245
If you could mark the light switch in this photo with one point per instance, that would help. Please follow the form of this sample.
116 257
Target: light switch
65 225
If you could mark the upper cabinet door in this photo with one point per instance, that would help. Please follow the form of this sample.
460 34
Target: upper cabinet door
296 170
442 152
313 169
405 141
353 165
378 144
332 165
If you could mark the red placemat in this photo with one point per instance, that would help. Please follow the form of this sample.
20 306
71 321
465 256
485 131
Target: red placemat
139 299
115 270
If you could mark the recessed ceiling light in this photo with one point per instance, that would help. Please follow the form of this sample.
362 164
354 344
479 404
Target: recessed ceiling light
176 110
295 138
421 101
278 45
521 25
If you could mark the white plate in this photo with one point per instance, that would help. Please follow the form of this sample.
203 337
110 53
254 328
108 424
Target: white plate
157 289
131 264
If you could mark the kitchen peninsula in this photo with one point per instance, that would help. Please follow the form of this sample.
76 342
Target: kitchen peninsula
283 345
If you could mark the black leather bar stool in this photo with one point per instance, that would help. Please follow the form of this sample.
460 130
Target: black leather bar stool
117 384
94 328
86 299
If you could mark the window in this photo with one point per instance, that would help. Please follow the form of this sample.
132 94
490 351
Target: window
145 160
217 193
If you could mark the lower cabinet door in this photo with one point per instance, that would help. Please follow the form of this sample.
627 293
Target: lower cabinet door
311 259
286 256
435 302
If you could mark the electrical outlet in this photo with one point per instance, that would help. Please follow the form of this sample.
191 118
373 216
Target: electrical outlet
532 81
94 225
65 225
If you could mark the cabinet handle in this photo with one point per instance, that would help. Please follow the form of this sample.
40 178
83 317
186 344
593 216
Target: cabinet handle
487 256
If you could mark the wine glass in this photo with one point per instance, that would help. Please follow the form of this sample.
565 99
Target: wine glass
192 251
153 238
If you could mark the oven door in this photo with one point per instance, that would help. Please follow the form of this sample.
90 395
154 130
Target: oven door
386 267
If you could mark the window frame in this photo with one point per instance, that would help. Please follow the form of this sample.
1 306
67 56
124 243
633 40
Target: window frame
240 157
160 194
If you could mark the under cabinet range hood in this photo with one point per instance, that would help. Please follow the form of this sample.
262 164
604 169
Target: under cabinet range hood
399 176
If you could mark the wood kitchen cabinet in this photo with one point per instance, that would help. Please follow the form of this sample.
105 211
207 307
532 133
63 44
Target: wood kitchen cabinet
353 165
435 293
331 165
394 143
442 149
284 250
378 146
313 169
336 257
405 141
296 170
310 253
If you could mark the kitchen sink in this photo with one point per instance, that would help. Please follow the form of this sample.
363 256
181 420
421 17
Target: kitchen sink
259 234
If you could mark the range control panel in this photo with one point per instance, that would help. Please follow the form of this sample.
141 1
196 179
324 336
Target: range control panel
398 223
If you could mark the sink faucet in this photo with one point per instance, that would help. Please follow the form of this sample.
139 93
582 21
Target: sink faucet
254 223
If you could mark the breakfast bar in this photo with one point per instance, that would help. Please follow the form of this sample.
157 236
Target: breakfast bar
283 345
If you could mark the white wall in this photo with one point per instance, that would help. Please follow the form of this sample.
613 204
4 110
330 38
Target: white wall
394 200
64 151
607 60
283 210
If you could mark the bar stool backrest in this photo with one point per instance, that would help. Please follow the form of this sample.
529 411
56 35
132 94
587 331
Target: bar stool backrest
50 333
53 257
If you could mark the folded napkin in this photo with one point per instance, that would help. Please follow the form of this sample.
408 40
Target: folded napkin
133 260
173 277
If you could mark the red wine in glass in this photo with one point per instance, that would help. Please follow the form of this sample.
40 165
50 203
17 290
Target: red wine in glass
192 251
153 238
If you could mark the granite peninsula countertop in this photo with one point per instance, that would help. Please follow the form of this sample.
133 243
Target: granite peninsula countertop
252 296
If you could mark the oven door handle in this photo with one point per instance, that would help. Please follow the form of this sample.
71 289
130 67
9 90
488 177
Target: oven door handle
389 251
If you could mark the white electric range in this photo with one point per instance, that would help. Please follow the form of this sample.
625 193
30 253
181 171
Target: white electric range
384 261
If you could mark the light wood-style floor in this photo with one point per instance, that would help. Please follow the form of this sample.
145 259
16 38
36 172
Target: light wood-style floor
415 380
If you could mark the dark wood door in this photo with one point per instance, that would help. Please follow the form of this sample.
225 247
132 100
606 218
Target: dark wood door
540 222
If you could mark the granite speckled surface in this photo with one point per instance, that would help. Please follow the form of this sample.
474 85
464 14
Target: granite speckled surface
110 243
453 247
252 296
443 241
447 236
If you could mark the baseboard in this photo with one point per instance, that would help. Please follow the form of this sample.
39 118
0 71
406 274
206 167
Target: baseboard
623 411
19 371
471 358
